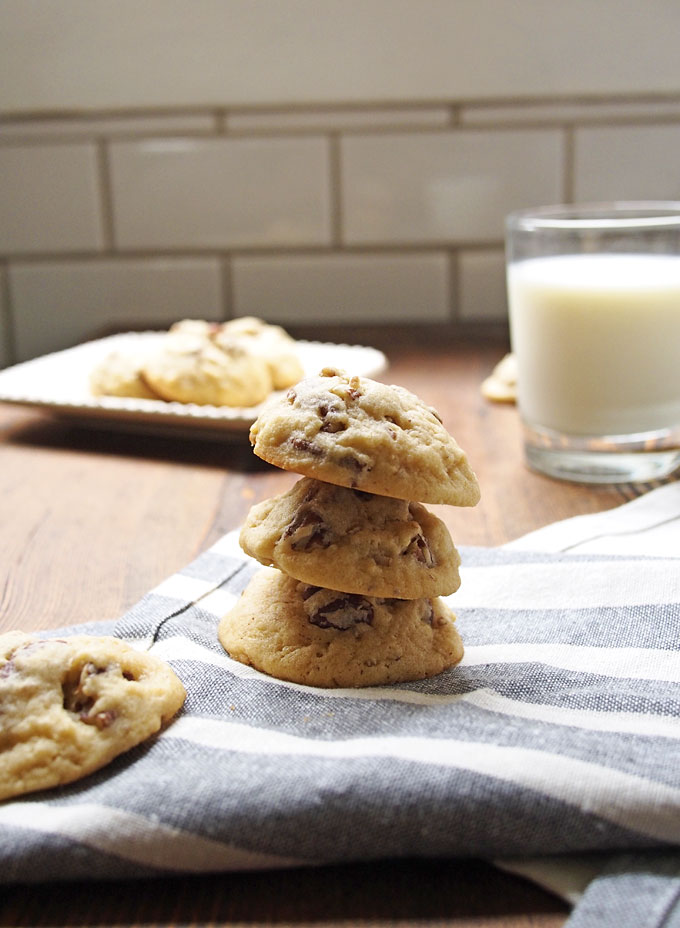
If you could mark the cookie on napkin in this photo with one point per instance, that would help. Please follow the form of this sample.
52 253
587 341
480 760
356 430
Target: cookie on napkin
68 706
357 542
358 433
320 637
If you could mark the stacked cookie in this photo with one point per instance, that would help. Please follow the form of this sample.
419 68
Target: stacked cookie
355 565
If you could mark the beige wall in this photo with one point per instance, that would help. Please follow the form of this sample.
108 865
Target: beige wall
308 161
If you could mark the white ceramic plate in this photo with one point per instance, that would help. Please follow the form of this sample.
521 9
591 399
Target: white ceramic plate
59 383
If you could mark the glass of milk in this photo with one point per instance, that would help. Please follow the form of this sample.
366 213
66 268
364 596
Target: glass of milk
594 298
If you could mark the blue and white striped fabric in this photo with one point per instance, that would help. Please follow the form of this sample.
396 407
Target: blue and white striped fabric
556 737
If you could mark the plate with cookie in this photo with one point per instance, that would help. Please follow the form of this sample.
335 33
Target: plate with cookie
197 379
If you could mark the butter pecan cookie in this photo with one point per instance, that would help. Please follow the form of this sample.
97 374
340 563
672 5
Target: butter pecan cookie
321 637
356 432
190 368
501 384
353 541
270 342
119 374
68 706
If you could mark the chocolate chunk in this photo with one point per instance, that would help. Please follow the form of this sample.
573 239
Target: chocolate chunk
318 538
311 494
351 462
311 530
343 613
334 418
333 424
302 444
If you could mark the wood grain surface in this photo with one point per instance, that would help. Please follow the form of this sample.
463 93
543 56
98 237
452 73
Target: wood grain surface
93 518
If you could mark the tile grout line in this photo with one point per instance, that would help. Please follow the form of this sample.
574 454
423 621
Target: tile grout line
228 296
6 311
256 251
568 168
456 124
220 117
509 102
105 196
335 190
460 115
454 286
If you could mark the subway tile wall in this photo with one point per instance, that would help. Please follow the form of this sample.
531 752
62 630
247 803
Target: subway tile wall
309 216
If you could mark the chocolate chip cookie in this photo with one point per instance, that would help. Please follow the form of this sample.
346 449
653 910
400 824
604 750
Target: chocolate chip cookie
190 368
358 433
270 342
501 384
68 706
353 541
119 374
325 638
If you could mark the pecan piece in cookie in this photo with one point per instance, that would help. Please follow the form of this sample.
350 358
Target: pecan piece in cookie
420 550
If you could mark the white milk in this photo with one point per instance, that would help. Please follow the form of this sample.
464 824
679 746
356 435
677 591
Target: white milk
597 339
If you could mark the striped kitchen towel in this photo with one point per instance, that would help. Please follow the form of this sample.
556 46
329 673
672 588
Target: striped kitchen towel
554 741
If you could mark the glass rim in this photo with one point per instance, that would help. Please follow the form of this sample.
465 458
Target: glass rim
614 215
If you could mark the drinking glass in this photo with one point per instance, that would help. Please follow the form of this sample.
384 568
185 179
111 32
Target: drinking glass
594 300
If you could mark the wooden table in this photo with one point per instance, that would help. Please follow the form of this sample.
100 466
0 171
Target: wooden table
93 519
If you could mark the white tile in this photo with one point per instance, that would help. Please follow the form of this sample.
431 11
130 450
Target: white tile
100 126
629 163
445 186
481 286
333 119
338 289
5 345
56 305
49 199
240 52
581 111
221 193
